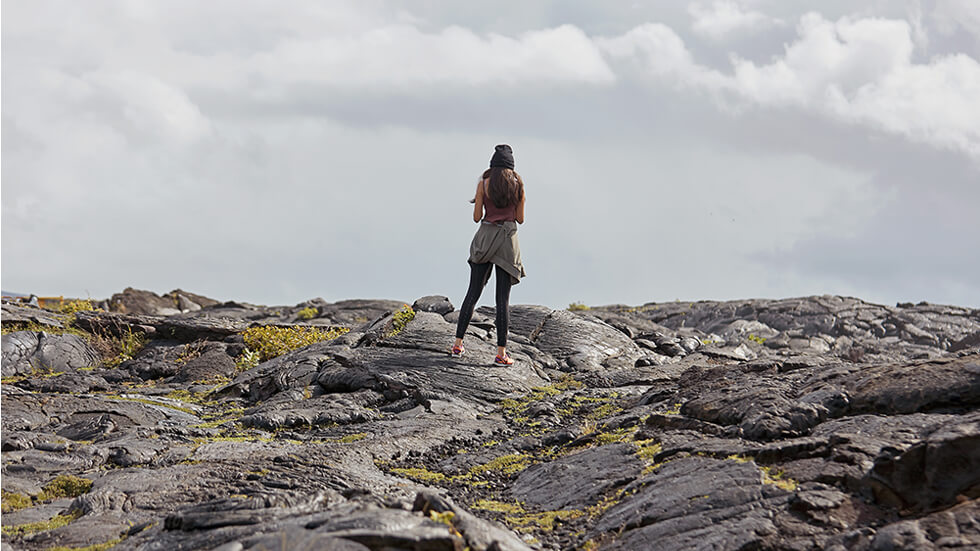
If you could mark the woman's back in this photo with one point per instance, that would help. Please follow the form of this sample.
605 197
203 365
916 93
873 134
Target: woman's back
493 213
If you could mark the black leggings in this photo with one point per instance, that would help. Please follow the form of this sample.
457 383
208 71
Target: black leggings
479 276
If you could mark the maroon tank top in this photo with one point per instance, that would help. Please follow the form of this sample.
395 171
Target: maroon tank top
491 213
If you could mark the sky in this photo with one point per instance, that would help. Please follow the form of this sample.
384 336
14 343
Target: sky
273 152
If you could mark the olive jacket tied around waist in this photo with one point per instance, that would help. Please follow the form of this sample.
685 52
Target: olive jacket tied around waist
497 243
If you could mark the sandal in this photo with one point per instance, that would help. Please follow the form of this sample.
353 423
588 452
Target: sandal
503 361
456 351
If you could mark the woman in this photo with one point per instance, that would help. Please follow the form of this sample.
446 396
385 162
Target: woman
499 208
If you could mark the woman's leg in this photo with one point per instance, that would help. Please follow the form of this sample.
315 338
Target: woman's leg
479 276
503 309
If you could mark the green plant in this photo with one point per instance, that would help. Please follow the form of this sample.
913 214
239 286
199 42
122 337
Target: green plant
506 464
420 474
125 346
757 339
14 501
73 306
400 319
270 341
307 313
577 307
64 486
34 527
248 359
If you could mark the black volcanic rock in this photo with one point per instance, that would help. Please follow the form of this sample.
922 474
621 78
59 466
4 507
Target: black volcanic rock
804 423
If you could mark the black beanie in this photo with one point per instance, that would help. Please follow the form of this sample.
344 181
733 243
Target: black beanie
503 156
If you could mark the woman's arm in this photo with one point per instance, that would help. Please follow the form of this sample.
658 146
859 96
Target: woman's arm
520 206
478 203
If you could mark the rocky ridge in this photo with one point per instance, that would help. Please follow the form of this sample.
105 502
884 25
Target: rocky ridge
808 423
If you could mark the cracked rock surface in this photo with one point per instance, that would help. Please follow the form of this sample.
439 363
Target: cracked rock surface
153 423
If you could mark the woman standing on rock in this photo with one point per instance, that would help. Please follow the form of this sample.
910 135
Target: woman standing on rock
499 208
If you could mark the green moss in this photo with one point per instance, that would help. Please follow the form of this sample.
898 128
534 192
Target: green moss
420 474
64 486
597 510
73 306
270 341
307 313
400 319
617 435
511 508
756 339
34 527
778 479
577 307
647 450
241 438
35 373
516 407
14 502
544 521
506 464
740 458
605 410
189 397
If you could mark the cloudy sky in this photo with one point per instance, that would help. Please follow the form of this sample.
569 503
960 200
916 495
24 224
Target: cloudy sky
277 151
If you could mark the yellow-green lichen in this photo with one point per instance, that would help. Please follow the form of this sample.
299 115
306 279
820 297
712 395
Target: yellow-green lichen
510 508
618 435
270 341
647 450
544 521
12 501
420 474
778 478
34 527
400 319
345 439
307 313
506 464
64 486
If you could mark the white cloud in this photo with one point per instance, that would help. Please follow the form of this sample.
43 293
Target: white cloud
403 55
861 71
725 18
151 106
855 70
951 15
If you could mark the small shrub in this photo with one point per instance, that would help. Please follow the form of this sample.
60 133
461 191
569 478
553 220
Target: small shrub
307 313
577 307
270 341
507 464
247 360
116 350
73 306
14 501
65 486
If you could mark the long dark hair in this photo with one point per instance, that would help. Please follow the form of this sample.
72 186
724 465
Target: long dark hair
506 186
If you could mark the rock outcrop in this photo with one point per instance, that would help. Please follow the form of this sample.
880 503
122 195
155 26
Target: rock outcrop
178 422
